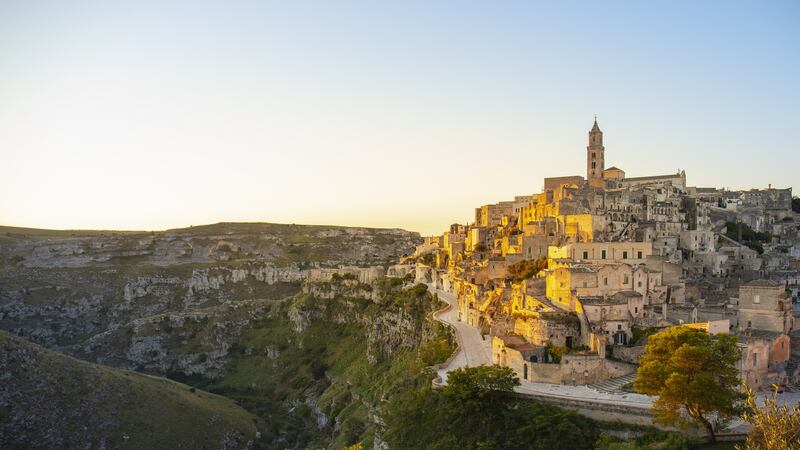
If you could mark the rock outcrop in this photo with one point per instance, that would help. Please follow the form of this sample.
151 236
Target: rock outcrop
60 288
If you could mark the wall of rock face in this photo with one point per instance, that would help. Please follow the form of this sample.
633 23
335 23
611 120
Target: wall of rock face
60 290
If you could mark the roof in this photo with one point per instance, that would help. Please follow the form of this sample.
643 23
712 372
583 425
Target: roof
582 269
602 301
615 168
628 294
512 340
751 334
763 283
526 347
654 177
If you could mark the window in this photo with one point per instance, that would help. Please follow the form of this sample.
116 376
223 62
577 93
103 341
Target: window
756 299
603 254
636 309
626 280
640 283
749 324
585 255
624 255
639 255
619 327
755 359
605 281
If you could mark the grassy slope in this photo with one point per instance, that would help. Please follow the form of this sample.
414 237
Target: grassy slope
54 401
318 388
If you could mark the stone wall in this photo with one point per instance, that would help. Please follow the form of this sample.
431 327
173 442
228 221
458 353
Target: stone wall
628 354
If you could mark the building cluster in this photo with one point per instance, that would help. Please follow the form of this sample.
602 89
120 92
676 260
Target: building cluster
569 282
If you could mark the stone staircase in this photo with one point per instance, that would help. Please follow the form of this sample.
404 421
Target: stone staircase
613 385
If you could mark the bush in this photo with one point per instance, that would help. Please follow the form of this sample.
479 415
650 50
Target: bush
527 268
478 410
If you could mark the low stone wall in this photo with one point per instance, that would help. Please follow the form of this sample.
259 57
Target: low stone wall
628 354
618 368
545 373
598 410
579 370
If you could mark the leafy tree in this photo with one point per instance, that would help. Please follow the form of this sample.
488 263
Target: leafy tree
751 238
694 376
478 410
429 259
772 427
481 381
527 268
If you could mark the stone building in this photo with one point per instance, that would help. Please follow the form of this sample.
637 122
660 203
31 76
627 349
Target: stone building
603 252
595 157
765 320
615 315
765 305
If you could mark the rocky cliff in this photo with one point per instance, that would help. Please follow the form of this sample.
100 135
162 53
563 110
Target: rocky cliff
61 288
297 324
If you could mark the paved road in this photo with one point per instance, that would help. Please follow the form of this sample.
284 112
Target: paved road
474 351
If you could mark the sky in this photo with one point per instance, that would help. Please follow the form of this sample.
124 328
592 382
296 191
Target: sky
161 114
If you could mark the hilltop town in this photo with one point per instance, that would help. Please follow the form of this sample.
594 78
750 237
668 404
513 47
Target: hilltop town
568 283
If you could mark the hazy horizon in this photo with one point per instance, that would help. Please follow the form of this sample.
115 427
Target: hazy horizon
154 116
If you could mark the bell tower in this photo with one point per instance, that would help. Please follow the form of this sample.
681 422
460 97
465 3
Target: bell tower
595 156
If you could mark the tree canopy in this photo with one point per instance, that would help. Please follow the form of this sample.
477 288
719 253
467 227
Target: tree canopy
772 427
694 376
751 238
527 268
478 410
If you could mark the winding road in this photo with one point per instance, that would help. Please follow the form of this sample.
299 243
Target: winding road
474 350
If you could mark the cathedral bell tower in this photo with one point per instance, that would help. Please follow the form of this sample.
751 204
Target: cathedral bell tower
595 156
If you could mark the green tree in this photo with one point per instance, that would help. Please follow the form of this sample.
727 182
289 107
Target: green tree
481 381
527 268
772 427
694 376
479 410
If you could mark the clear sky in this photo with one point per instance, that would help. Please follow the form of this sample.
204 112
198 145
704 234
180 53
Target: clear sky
160 114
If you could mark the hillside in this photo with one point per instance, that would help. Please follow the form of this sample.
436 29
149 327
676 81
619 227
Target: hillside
48 400
61 288
313 362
